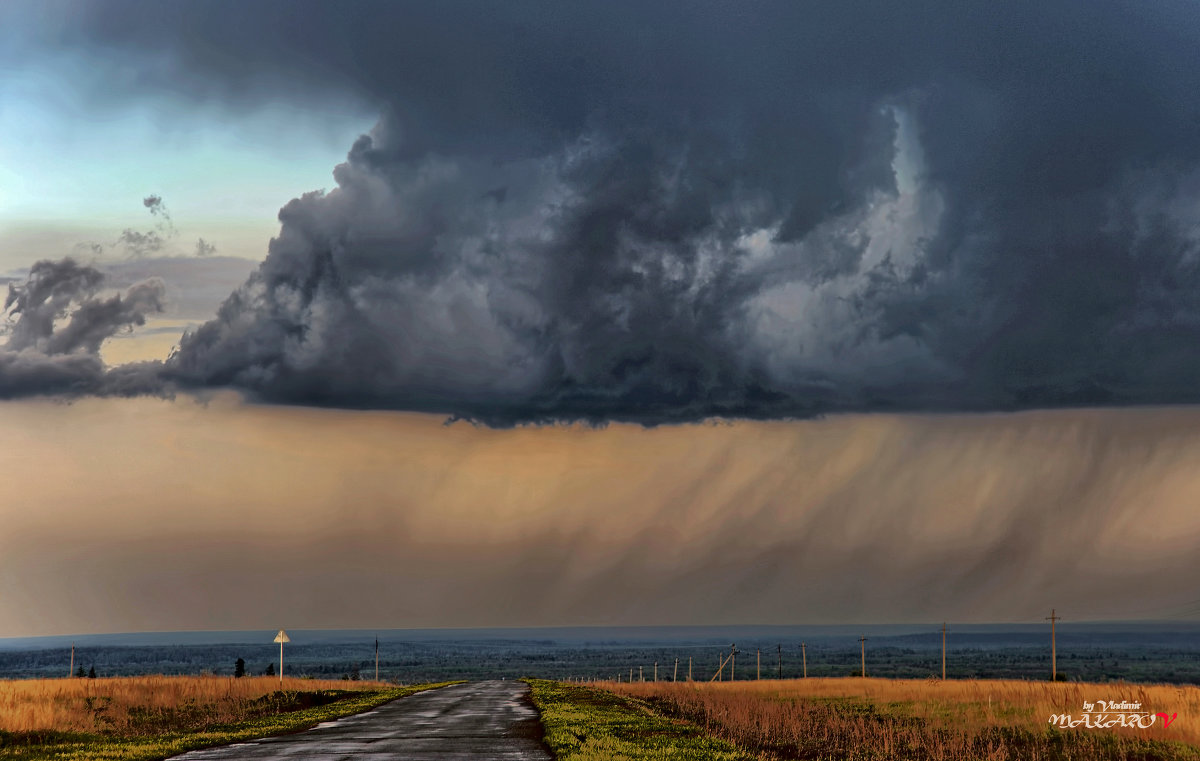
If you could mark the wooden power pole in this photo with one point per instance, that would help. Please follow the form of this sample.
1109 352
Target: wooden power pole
1053 648
804 659
656 671
863 641
943 651
689 668
758 666
779 674
675 676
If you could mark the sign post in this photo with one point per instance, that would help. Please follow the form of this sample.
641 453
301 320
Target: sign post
281 637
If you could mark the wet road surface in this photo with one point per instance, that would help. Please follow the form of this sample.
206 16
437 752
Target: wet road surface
481 720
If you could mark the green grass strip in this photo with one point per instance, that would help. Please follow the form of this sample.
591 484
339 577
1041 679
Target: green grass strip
43 746
583 724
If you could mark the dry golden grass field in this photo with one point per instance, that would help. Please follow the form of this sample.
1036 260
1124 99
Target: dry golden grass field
896 718
131 706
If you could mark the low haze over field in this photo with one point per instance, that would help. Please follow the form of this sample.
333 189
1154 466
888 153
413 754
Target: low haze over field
266 250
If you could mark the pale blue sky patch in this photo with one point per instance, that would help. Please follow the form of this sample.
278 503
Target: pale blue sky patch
75 162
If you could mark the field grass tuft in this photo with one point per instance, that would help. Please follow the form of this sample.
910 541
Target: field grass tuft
143 718
851 718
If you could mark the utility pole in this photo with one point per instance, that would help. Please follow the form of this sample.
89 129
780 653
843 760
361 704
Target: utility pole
689 668
641 678
1053 648
804 658
863 641
656 671
758 672
779 675
675 676
943 651
631 674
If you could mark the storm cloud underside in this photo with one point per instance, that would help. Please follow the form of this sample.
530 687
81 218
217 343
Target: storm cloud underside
665 213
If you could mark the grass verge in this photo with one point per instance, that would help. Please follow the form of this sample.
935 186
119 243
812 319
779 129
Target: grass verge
584 724
807 719
42 745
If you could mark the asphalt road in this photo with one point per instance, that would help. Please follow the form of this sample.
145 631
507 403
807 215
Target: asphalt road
481 720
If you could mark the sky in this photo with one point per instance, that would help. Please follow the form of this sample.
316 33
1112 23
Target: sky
478 314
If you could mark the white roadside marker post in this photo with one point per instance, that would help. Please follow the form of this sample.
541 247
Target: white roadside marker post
281 637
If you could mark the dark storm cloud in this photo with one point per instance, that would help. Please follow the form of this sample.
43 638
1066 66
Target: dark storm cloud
141 244
669 211
57 321
204 248
156 206
137 243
